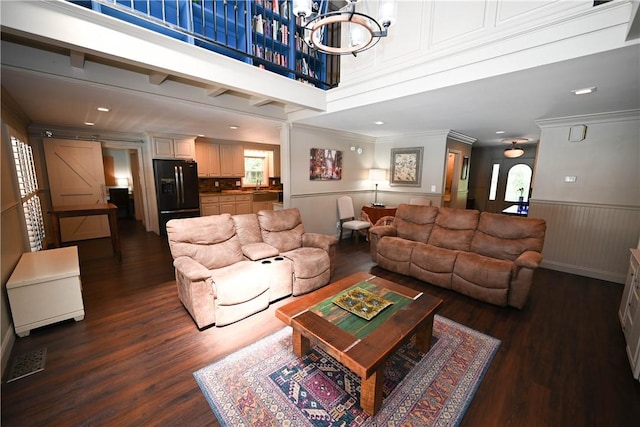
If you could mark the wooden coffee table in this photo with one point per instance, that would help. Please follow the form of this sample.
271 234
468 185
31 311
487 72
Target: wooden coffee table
361 345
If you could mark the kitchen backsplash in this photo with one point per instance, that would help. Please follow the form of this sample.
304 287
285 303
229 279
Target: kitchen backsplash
208 185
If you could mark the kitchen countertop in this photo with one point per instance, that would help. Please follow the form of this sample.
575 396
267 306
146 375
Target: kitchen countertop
239 192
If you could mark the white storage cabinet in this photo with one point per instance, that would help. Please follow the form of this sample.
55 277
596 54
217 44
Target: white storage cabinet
45 288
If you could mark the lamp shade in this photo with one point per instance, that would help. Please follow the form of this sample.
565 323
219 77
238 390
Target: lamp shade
377 175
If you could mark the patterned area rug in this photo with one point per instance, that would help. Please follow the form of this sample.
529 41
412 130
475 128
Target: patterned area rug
265 384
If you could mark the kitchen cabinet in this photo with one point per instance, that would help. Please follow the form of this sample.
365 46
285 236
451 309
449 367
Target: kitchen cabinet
629 312
243 204
231 160
274 167
209 205
208 159
233 204
173 148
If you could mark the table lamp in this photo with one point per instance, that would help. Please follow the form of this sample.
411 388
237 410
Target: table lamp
377 175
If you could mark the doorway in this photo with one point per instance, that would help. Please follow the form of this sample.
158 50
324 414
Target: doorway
510 180
453 197
124 162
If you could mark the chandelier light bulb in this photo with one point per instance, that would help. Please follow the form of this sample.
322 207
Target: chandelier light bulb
302 7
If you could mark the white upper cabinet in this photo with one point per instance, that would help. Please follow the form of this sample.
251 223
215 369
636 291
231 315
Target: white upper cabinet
173 148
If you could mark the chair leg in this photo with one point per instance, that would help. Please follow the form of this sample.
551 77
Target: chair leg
357 233
340 235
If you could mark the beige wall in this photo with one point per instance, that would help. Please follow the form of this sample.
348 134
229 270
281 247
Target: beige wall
592 222
11 225
317 199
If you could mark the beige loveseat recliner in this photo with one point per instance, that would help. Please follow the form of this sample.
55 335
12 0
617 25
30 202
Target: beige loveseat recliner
487 256
230 267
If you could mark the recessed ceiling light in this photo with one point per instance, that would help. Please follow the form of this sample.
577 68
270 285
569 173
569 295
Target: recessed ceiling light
378 122
234 127
584 90
500 132
89 123
103 109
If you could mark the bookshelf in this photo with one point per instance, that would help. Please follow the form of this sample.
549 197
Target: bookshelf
264 33
278 45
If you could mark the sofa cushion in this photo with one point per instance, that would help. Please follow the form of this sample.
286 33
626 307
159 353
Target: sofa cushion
238 283
414 222
433 264
281 229
483 271
255 251
433 258
506 237
454 228
210 240
247 228
394 254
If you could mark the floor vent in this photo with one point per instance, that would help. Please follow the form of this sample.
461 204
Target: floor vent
27 364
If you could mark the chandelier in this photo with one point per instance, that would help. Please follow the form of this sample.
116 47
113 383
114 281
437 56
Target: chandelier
363 30
514 152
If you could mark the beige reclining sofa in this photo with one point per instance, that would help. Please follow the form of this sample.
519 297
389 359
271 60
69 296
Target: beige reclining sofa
230 267
489 257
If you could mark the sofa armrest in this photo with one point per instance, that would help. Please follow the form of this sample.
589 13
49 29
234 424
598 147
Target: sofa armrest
195 290
375 234
383 230
325 242
317 240
529 259
191 269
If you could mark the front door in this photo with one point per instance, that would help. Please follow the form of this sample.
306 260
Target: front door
508 177
76 177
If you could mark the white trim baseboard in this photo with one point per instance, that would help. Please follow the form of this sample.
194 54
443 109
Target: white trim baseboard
7 346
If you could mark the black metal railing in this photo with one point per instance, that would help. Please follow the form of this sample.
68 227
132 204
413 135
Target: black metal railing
230 27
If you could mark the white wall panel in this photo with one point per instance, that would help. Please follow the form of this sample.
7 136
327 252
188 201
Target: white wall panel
452 20
587 239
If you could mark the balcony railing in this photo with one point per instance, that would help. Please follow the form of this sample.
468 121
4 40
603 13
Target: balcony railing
263 33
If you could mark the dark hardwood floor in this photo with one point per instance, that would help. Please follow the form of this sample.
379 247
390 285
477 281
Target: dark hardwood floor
130 361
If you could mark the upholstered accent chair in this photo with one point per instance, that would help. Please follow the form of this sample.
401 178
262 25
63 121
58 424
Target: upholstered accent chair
348 219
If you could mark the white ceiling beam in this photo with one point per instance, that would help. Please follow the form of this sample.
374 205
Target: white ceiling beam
214 91
156 78
77 59
259 101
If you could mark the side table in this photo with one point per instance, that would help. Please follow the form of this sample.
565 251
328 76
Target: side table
45 288
377 212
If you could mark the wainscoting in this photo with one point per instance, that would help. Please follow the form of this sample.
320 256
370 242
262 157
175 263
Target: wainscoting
588 239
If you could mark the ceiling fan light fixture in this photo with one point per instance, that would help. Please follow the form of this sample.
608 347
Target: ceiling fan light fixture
514 152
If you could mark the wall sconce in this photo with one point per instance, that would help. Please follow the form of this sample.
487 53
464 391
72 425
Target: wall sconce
357 149
377 175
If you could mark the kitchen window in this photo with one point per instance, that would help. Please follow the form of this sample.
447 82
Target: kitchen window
256 168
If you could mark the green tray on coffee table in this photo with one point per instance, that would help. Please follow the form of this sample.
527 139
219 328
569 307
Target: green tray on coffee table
331 310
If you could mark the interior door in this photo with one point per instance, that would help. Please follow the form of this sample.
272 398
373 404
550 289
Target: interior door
76 177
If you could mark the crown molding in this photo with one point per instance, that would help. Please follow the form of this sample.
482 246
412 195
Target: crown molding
613 116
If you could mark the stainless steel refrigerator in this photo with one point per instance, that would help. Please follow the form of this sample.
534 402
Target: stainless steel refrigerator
176 190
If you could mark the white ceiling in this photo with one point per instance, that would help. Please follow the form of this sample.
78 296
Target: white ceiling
511 102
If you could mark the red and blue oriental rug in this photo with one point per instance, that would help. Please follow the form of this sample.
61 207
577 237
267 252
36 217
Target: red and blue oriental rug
265 384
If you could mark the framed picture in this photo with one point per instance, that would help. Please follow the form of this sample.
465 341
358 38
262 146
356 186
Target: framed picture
325 164
464 174
406 167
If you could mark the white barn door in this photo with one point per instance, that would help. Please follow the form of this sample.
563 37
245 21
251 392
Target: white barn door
76 177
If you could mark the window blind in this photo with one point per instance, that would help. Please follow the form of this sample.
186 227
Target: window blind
28 186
